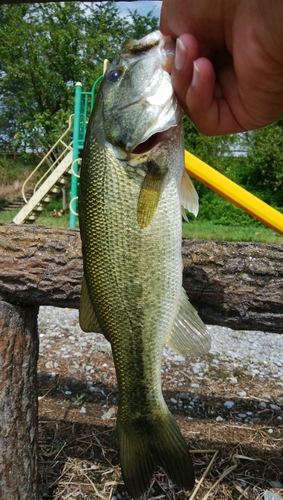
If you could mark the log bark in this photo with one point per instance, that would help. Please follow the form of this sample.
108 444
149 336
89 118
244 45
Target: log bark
18 402
40 265
239 285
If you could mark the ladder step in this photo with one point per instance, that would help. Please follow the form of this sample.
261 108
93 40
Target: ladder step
61 183
47 199
55 190
40 208
46 192
31 218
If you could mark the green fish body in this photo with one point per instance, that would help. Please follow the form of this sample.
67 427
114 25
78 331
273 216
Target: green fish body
131 186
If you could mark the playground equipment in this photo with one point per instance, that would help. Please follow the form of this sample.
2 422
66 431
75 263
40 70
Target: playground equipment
84 102
64 160
68 160
51 182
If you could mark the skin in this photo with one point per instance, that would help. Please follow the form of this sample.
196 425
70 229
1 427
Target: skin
228 70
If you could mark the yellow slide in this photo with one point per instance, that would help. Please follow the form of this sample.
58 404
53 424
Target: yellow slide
233 192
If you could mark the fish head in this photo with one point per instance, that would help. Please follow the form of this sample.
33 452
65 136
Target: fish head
137 104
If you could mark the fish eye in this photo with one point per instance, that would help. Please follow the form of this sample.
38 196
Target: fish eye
114 75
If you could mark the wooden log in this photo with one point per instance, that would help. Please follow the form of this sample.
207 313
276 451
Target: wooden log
40 265
18 402
239 285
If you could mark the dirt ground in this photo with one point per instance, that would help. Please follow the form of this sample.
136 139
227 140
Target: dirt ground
233 459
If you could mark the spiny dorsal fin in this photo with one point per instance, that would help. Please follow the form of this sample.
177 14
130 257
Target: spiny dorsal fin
188 196
189 335
87 317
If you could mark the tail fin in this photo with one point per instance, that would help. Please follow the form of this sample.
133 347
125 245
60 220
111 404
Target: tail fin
145 446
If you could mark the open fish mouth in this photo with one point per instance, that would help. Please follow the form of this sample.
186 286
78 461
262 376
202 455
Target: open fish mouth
152 142
140 150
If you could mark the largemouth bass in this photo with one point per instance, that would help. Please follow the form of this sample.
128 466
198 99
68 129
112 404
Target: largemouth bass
132 185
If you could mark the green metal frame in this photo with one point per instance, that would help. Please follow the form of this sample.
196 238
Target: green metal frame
84 102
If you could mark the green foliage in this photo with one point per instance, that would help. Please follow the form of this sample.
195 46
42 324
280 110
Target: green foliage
45 219
40 61
217 210
12 169
264 167
141 25
253 160
45 49
220 211
216 151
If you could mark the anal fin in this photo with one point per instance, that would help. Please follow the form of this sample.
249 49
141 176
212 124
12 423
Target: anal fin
189 335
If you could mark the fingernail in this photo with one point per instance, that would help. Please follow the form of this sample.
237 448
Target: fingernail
196 75
180 55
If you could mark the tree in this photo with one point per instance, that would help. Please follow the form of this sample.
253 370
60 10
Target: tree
40 48
264 172
45 49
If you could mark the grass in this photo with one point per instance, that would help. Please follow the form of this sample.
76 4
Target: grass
46 220
217 232
195 230
43 220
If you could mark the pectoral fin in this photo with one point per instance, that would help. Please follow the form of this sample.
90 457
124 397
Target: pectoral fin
189 336
87 317
188 196
149 196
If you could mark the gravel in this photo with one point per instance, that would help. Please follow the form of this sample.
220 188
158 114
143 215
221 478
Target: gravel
252 353
257 353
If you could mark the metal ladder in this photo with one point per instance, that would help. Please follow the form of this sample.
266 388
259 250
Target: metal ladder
60 158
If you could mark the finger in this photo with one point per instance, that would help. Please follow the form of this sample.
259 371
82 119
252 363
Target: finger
196 89
205 102
212 101
187 50
208 98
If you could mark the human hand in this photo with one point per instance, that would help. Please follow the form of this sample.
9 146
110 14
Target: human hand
228 71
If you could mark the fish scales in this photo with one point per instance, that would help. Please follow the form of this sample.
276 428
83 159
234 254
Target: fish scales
130 220
148 299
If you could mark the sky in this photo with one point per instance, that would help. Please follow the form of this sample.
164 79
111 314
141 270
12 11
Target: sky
142 7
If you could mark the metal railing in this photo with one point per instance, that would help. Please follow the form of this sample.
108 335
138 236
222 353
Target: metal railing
66 148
